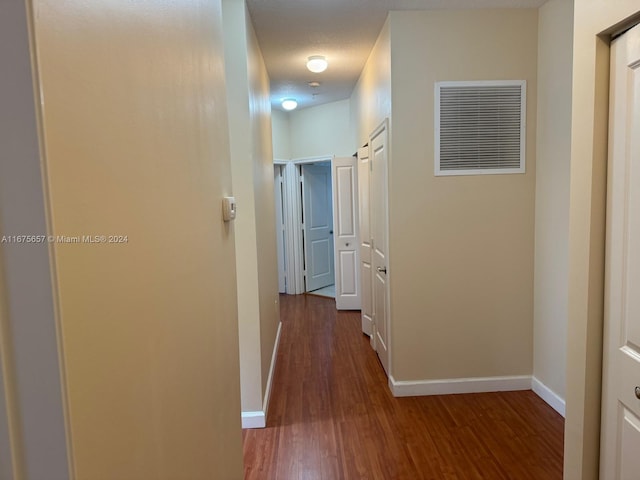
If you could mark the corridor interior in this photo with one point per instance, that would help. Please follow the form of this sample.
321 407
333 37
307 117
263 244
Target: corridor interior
332 416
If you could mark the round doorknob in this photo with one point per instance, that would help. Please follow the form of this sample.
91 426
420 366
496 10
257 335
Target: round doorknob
638 393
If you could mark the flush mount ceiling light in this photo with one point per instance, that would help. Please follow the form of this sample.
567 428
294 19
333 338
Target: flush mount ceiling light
289 103
317 63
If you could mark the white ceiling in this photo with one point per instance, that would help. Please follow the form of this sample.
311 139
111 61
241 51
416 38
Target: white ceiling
344 31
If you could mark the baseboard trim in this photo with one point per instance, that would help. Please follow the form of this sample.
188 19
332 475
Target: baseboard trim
545 393
254 419
272 368
458 385
258 419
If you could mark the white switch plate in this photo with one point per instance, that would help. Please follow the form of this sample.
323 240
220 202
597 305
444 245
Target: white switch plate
228 208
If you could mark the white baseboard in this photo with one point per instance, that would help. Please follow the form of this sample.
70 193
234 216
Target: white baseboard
272 368
254 419
552 398
258 419
458 385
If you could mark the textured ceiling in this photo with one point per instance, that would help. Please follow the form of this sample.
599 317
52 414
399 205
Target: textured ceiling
344 31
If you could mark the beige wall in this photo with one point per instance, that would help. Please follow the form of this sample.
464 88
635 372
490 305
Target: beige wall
587 227
262 155
551 278
136 139
235 42
371 97
461 248
281 135
32 424
323 130
252 164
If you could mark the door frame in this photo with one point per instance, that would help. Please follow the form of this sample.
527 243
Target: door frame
292 209
279 187
589 161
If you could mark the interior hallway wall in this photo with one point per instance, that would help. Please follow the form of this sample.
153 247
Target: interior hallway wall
136 145
252 165
551 273
281 135
323 130
460 248
371 97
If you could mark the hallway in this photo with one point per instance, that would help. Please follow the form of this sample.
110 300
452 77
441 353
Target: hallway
332 416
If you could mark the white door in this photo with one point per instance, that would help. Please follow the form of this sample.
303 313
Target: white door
278 186
379 222
317 221
345 227
365 242
620 443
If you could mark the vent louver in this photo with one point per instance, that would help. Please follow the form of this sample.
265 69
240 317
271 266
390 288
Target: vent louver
480 127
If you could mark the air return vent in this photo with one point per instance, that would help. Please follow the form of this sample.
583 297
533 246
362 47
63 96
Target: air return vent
480 127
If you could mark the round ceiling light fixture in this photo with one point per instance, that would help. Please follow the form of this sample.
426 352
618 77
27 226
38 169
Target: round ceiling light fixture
317 63
289 103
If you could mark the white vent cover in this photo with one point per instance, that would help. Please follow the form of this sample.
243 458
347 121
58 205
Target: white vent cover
480 127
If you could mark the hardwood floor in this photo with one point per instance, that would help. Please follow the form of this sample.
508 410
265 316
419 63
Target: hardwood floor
333 417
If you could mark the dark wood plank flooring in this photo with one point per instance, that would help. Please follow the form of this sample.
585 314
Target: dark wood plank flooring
333 417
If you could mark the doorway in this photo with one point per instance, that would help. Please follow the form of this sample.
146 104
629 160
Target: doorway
318 198
317 228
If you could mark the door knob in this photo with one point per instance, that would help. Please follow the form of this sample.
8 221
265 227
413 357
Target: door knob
638 393
381 269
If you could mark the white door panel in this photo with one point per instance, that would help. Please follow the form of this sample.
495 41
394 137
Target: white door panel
345 203
620 445
379 228
365 242
318 226
630 439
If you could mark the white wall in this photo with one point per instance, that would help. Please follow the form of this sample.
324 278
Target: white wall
551 277
33 413
235 41
324 130
262 157
281 135
252 169
371 97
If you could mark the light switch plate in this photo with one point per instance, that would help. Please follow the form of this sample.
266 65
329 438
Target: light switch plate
228 208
